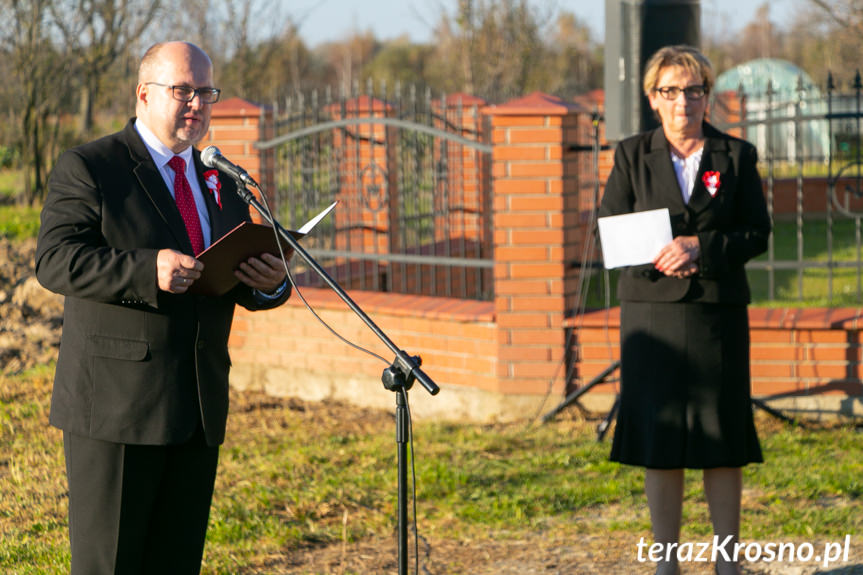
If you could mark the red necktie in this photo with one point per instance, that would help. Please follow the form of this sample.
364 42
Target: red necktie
186 204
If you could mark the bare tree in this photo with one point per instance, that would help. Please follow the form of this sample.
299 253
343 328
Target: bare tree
98 32
497 46
847 14
40 69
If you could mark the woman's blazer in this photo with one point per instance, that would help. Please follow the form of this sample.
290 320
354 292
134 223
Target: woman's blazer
732 225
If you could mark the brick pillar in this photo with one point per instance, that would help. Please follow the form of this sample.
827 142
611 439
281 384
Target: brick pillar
536 238
365 188
461 194
459 114
236 126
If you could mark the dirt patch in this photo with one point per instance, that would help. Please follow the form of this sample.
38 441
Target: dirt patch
30 316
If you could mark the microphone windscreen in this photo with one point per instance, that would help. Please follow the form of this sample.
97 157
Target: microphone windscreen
209 155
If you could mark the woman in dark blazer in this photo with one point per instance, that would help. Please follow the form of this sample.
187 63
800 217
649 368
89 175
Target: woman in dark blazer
685 399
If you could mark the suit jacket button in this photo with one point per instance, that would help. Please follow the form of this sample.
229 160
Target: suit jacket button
201 344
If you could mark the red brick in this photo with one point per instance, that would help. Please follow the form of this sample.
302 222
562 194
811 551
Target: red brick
546 304
520 220
524 386
521 286
532 187
553 136
238 133
770 336
219 121
823 336
500 170
520 153
544 369
536 337
520 353
539 270
522 320
534 237
521 253
776 387
536 170
507 121
832 353
771 370
776 353
827 370
541 203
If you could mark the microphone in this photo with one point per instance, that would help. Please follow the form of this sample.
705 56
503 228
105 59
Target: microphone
213 158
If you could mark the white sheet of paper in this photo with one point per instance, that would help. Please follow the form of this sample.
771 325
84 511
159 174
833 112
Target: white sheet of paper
307 227
633 239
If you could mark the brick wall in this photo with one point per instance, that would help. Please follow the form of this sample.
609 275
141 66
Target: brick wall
507 358
795 353
287 352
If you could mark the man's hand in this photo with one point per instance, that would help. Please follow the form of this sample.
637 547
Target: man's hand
265 274
176 271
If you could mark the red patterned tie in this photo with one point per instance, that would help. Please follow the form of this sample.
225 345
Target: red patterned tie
186 203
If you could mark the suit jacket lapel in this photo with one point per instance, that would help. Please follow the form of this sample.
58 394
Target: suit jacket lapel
658 161
154 187
217 222
715 158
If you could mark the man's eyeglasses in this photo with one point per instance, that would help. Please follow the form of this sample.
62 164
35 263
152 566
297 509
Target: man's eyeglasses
691 92
187 93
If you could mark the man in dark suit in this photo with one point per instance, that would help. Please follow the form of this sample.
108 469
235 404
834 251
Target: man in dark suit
141 387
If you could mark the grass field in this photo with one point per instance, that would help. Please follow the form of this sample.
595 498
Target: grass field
298 477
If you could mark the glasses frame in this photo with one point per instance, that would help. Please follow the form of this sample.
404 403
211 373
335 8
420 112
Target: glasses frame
200 92
692 93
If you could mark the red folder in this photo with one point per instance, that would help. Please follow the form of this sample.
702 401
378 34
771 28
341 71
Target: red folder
243 242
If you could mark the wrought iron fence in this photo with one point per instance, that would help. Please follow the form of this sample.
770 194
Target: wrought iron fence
411 173
809 144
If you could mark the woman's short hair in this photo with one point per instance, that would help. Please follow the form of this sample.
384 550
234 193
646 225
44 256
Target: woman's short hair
686 57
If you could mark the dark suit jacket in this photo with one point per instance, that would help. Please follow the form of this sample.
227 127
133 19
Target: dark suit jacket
732 227
136 364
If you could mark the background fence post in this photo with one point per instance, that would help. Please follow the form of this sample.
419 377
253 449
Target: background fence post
235 126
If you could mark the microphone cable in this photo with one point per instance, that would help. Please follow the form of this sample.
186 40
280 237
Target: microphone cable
299 292
403 391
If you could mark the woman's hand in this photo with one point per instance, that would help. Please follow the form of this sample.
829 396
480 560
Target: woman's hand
679 259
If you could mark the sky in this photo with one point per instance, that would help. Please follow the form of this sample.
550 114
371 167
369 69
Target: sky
331 20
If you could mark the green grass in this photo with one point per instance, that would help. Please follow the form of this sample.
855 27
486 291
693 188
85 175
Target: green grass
19 222
10 183
812 245
296 476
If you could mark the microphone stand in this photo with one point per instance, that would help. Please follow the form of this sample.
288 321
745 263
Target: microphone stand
398 377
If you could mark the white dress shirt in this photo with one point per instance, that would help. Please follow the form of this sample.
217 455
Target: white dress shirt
686 170
161 154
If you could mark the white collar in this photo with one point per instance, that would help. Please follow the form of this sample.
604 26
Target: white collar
160 153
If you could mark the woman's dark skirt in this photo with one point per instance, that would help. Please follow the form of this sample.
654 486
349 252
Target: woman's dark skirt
685 399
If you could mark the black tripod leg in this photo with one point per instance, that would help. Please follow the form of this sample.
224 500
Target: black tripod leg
573 397
775 413
603 426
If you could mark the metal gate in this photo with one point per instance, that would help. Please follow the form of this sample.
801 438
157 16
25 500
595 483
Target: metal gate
411 174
